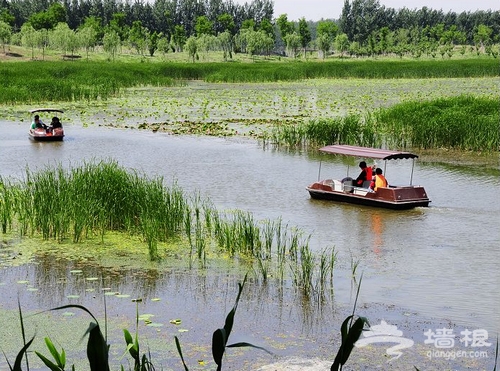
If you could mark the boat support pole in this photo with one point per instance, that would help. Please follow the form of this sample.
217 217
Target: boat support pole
319 171
412 166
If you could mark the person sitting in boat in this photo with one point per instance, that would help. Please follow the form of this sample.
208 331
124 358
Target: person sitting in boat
55 123
379 180
37 123
366 174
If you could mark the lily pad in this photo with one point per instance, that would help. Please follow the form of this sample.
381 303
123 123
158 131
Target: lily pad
154 324
123 296
175 321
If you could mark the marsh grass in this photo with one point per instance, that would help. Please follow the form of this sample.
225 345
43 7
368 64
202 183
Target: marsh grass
68 81
86 202
92 199
464 123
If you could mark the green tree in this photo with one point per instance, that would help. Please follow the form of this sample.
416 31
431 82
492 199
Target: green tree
111 43
326 31
88 37
118 24
304 33
179 38
342 43
354 48
96 25
192 48
163 44
384 42
152 42
482 36
137 37
248 24
64 39
226 43
225 22
285 27
267 27
292 41
29 38
203 26
50 18
43 40
7 17
324 44
5 34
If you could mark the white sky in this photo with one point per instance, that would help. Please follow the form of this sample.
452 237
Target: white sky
316 9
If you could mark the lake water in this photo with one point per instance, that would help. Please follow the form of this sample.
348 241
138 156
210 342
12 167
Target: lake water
439 263
426 267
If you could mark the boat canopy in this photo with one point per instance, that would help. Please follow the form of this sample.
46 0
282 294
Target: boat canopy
46 110
367 152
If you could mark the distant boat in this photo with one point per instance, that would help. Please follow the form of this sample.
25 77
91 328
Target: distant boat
47 133
390 197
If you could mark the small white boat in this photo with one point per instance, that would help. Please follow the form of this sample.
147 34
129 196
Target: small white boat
43 132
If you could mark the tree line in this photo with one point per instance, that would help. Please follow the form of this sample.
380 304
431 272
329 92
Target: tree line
364 28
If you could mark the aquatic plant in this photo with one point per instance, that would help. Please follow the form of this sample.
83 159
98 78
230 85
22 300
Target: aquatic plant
62 81
464 123
140 363
350 332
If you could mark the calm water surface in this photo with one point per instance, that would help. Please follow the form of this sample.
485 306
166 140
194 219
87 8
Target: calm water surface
439 262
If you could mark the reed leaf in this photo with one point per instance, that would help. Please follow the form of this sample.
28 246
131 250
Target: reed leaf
179 350
20 355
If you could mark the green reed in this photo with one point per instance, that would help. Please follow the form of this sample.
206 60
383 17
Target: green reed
351 129
94 198
7 204
327 260
43 81
463 122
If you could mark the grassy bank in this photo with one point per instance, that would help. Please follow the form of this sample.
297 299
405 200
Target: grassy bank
462 123
41 81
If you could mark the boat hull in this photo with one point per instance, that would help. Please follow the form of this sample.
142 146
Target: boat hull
42 135
395 198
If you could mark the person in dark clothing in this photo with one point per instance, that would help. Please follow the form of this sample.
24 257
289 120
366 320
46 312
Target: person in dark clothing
366 174
55 123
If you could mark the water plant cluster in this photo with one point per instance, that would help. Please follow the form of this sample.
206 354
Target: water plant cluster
462 123
59 81
89 200
98 349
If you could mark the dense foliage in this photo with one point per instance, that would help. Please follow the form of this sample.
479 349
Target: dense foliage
364 28
462 123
